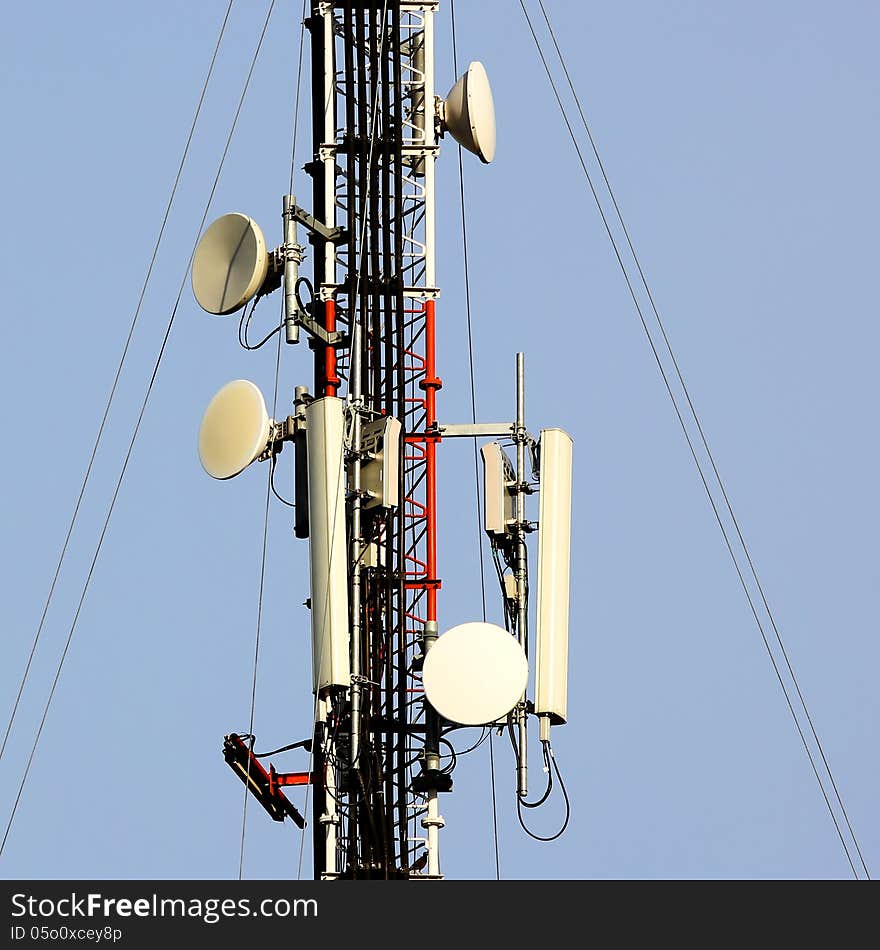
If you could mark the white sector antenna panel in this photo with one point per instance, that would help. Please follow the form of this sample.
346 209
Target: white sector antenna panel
475 674
554 568
380 470
328 548
498 476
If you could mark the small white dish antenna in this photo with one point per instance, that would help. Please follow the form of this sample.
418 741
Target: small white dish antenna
230 264
235 429
469 113
475 674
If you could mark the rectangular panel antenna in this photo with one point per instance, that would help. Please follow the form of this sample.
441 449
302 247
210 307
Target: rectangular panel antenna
498 479
380 443
328 550
554 565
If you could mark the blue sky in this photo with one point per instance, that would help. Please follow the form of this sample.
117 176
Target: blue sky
743 146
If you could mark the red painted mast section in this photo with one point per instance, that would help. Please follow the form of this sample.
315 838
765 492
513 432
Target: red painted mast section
331 379
431 383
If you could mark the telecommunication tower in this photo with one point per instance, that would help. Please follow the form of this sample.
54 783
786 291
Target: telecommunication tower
390 691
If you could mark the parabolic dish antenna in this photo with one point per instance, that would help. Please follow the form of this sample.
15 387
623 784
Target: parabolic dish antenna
470 113
230 264
475 674
235 429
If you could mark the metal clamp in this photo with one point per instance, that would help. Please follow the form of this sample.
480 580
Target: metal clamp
334 235
311 326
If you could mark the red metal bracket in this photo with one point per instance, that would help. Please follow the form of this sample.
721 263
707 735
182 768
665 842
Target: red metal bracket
265 786
280 779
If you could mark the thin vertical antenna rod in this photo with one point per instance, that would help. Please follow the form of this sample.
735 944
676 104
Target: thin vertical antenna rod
521 574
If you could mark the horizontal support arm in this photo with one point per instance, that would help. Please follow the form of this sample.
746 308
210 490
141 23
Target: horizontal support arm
334 235
477 430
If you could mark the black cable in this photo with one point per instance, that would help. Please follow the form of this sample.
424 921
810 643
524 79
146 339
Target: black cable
470 339
281 498
703 438
265 518
116 378
449 769
512 735
304 744
269 488
343 805
703 476
299 282
299 61
494 807
484 734
88 580
131 443
548 790
508 619
520 803
245 322
470 335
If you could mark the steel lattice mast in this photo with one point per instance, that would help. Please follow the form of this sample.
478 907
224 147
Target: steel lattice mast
374 145
386 687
